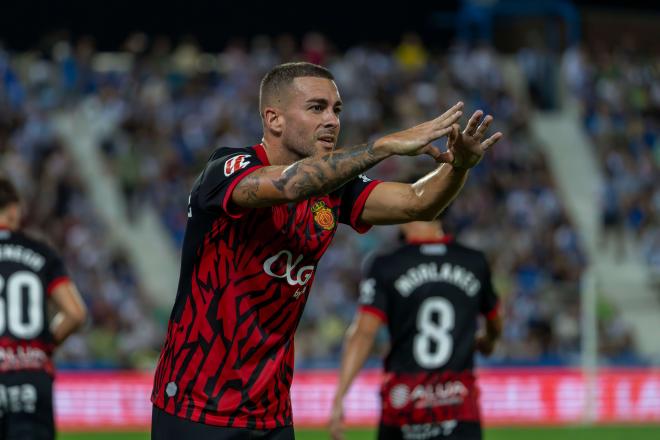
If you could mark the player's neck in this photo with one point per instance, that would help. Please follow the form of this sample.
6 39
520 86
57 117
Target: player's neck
5 222
444 239
437 237
277 154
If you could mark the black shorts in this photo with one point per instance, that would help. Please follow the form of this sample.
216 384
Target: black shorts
447 430
165 426
26 406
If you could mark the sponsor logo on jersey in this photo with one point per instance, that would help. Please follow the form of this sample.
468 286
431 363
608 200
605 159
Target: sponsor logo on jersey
427 396
236 163
399 396
427 431
282 265
323 215
21 358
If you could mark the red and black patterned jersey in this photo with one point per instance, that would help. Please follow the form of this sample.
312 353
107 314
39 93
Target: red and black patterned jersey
430 295
29 271
245 276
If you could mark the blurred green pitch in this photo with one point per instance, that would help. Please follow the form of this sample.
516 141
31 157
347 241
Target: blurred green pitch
644 432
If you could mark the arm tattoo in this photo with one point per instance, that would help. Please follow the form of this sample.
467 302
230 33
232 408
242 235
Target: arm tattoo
251 188
311 176
321 175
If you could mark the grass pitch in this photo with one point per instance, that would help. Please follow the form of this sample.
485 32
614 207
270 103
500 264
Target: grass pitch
567 433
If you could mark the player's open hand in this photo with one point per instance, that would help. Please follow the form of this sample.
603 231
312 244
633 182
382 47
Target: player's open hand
417 140
336 425
466 148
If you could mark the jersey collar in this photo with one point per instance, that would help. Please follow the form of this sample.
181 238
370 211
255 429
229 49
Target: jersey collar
261 154
445 239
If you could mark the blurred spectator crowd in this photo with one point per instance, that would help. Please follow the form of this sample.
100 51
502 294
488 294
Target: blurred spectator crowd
619 93
177 103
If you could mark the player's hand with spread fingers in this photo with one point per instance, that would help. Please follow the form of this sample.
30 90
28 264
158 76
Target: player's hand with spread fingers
466 148
417 140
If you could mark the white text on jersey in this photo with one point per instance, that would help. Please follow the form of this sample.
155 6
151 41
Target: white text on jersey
430 273
19 254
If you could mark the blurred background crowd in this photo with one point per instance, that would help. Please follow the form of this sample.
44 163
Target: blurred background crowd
176 103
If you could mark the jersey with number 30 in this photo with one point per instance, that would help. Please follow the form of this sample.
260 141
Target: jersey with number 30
29 272
430 294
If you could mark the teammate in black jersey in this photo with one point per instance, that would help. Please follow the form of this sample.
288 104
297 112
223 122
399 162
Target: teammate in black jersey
31 275
429 293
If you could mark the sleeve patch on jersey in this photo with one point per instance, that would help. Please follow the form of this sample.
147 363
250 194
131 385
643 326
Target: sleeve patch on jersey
367 291
236 163
55 284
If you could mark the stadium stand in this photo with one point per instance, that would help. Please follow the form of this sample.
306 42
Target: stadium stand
172 104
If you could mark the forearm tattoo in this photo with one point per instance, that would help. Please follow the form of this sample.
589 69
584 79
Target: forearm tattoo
321 175
314 175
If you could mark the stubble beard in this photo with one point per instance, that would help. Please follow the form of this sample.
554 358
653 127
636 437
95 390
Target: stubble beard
301 149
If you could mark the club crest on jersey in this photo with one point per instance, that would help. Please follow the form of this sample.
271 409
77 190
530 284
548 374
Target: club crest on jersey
323 215
236 163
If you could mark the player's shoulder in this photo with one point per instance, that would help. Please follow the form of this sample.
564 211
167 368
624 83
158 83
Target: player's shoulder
356 182
468 252
223 152
384 257
463 248
243 156
34 240
229 161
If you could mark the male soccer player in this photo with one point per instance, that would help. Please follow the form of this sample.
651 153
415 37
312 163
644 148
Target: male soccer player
259 220
429 293
31 274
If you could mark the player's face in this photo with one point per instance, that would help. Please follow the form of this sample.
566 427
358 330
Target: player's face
311 116
12 216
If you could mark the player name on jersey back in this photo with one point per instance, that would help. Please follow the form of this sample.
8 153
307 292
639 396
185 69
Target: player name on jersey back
423 273
22 255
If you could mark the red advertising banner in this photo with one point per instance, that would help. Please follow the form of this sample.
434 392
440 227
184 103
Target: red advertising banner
120 400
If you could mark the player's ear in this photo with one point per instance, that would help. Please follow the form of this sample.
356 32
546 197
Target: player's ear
273 120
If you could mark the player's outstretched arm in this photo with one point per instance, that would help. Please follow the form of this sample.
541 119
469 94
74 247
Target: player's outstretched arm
71 311
357 346
393 203
322 174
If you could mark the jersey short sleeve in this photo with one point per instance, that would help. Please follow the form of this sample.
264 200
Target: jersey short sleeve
226 168
489 300
373 291
354 197
55 272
